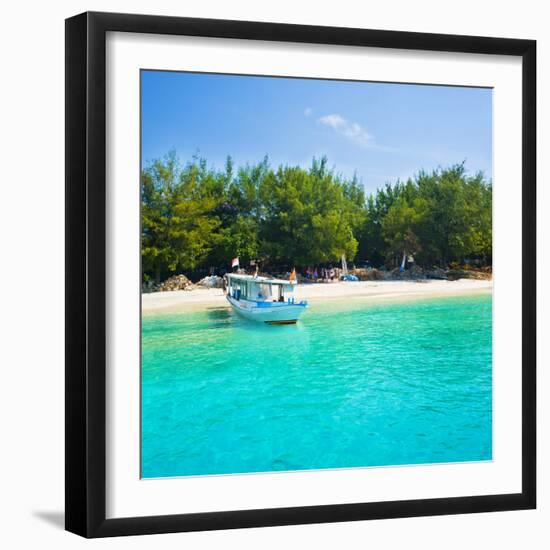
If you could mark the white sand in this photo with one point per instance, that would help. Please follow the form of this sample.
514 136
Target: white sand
182 300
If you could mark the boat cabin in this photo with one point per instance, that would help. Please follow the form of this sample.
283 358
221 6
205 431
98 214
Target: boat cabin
259 289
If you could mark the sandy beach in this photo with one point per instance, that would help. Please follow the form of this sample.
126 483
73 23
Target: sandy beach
188 300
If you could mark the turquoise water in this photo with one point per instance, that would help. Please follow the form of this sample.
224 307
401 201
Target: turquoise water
366 384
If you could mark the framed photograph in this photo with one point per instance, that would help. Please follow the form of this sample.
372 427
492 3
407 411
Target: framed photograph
300 274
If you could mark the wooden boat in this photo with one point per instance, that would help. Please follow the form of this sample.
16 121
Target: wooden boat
264 300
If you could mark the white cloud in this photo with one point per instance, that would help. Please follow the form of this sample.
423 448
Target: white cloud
352 130
308 111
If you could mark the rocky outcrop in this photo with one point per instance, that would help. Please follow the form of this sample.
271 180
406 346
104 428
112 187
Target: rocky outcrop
176 282
455 274
417 273
212 281
436 273
370 274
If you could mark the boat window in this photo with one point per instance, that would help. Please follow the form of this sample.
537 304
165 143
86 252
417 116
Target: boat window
263 292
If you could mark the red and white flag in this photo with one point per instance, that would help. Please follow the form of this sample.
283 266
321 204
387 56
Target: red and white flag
235 262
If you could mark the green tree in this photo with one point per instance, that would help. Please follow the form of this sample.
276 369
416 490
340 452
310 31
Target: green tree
307 218
372 245
402 224
199 217
178 227
460 218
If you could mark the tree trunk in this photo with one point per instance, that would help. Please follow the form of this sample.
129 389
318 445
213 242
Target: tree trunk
403 261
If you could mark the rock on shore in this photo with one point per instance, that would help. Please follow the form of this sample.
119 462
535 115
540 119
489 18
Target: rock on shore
176 282
416 272
211 282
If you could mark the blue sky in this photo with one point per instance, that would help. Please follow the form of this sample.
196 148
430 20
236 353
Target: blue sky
380 131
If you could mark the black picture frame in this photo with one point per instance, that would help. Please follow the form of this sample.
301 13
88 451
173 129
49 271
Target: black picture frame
86 279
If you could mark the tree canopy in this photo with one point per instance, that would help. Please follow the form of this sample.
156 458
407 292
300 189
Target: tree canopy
194 216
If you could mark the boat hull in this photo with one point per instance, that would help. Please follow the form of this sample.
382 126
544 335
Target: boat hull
272 314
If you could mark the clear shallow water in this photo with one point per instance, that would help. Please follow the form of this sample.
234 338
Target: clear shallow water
371 384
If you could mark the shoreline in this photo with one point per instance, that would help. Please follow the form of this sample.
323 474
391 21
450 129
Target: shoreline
180 301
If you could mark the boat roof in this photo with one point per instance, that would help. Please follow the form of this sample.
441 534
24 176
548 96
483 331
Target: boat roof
259 280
